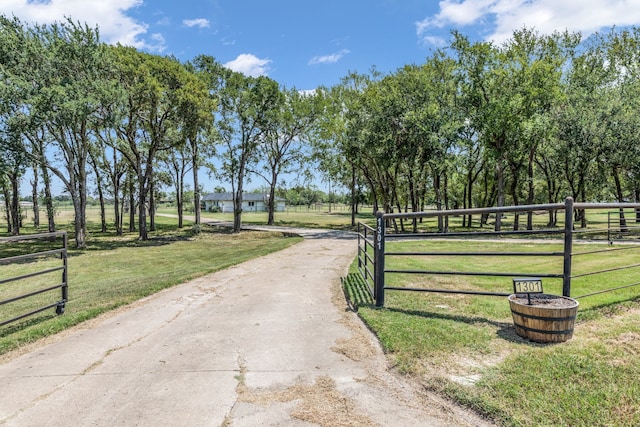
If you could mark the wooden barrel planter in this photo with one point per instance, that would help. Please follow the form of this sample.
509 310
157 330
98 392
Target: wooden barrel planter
549 318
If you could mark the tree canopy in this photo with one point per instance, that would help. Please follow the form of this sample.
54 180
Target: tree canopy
532 120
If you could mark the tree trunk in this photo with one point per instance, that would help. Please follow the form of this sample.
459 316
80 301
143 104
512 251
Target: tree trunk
34 197
180 203
14 177
115 182
515 197
237 210
152 206
354 200
438 194
142 208
271 203
237 197
469 198
531 189
271 200
446 201
48 198
79 219
500 189
103 213
7 207
132 205
80 207
636 192
620 197
196 184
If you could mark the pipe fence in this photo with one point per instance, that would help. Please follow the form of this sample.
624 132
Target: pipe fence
620 228
29 269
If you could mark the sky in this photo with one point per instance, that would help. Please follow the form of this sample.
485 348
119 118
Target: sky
304 44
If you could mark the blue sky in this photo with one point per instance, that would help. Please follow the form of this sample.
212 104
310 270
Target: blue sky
304 44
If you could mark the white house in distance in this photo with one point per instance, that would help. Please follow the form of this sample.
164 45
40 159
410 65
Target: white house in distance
251 202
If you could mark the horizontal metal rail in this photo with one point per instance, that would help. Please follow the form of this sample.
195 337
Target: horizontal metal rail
30 294
599 251
34 255
473 273
608 290
533 254
27 276
469 234
477 211
31 313
37 236
448 291
608 270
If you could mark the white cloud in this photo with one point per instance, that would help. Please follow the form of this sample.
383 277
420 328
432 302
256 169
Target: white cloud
249 65
545 16
328 59
110 17
199 22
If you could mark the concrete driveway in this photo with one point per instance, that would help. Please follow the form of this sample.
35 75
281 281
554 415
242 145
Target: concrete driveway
269 342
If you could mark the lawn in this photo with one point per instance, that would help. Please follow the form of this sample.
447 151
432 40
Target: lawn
117 270
465 347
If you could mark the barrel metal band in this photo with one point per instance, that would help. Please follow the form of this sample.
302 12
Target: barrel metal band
543 331
529 316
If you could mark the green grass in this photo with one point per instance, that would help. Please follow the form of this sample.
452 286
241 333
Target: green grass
462 347
465 347
337 219
114 271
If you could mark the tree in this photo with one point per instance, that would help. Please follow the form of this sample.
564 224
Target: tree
336 143
247 110
69 92
198 106
153 88
282 145
178 164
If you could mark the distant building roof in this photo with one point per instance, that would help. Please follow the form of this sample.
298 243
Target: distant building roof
248 197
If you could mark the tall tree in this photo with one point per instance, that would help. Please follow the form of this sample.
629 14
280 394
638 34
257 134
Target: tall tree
69 90
198 107
248 106
282 147
153 88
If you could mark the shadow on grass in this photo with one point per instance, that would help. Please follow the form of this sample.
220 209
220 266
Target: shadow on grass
505 330
21 324
356 292
358 295
609 309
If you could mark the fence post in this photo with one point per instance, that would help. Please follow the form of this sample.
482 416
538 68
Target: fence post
379 259
65 275
568 246
360 243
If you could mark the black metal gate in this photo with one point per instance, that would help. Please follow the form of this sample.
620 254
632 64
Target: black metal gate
27 286
372 253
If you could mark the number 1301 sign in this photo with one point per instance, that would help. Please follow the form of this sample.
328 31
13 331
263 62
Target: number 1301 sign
528 285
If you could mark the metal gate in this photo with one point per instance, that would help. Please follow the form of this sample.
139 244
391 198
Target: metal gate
372 253
28 266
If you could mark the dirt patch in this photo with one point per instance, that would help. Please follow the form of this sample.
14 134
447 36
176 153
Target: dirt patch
544 300
319 403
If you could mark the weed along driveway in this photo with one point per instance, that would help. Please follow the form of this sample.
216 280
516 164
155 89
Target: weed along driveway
267 342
